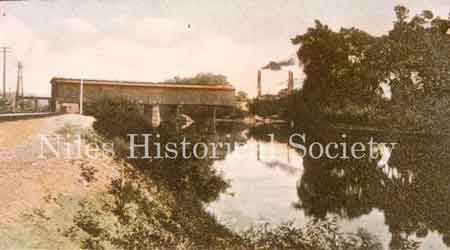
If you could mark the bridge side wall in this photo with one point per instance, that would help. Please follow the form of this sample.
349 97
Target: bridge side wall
70 93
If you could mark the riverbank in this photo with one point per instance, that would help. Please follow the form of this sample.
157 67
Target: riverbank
40 196
253 120
160 203
106 203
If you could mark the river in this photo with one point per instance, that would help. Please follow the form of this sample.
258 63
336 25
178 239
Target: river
272 182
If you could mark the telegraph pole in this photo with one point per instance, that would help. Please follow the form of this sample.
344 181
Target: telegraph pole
81 96
4 50
4 72
19 87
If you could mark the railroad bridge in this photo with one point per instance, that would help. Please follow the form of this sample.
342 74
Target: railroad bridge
67 94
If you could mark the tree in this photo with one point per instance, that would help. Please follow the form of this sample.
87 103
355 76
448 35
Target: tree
345 70
335 66
4 105
201 78
241 96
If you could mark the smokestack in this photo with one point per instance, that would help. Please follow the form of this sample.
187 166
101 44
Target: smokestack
290 87
259 83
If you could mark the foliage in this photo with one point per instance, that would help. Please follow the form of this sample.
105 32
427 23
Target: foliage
241 96
4 105
334 63
132 221
116 117
200 78
271 105
349 72
129 221
135 217
317 234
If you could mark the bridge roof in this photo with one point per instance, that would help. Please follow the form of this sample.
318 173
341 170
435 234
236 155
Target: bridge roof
168 85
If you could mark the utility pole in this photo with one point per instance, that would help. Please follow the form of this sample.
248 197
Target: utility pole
19 87
258 86
81 96
4 72
4 50
21 80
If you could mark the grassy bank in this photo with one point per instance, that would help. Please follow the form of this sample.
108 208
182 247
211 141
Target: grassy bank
159 204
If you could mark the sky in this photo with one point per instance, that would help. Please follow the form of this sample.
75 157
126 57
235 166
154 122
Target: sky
154 40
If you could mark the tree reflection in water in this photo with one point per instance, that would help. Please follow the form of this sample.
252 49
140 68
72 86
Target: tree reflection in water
413 191
176 217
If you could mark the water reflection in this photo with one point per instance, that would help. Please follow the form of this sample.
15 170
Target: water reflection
260 190
412 191
403 194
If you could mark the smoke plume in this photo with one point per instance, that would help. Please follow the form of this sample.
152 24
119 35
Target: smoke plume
273 65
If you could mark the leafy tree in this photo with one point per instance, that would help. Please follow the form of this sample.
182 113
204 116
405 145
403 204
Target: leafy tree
4 105
335 68
201 78
346 72
241 96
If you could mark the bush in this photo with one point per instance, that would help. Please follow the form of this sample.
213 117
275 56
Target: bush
117 117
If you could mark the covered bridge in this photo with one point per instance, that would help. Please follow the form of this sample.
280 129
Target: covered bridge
67 91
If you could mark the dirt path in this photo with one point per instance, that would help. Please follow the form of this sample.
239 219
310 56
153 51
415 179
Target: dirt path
11 135
40 196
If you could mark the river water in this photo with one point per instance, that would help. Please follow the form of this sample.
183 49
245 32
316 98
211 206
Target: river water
406 197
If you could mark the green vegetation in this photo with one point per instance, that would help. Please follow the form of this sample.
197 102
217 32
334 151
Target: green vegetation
241 96
183 185
200 78
23 105
271 105
4 105
398 80
318 234
159 204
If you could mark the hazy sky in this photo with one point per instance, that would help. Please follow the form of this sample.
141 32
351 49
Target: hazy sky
150 40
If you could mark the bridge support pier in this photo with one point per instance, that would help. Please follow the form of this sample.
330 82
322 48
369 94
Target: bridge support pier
156 116
214 118
179 112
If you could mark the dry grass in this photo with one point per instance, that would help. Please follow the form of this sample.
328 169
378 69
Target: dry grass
13 133
39 196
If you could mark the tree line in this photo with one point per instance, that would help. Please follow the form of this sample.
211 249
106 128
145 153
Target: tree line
400 79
